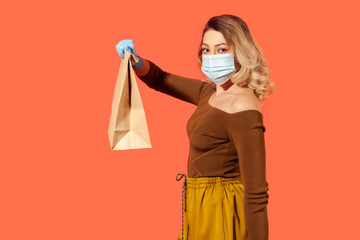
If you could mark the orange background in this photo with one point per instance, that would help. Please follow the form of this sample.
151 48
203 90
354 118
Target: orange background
59 178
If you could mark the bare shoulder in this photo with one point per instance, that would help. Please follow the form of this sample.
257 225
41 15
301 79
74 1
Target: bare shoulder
244 101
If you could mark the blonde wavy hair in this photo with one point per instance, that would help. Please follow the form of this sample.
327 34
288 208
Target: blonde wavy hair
252 71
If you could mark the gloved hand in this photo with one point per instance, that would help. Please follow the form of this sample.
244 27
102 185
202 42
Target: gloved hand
128 45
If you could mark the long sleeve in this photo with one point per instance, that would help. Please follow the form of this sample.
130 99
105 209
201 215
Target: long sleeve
246 130
185 89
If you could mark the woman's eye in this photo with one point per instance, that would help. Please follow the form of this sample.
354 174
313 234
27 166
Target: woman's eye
204 50
223 50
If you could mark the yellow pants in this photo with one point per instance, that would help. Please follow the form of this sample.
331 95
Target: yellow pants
213 209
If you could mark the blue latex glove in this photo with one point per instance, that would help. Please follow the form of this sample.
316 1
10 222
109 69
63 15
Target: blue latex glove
128 45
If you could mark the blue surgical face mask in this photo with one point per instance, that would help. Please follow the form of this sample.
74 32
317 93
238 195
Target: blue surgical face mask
218 68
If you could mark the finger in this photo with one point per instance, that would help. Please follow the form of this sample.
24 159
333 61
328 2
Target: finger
120 51
131 44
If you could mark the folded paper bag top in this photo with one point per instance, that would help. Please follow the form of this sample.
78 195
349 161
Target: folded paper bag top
128 127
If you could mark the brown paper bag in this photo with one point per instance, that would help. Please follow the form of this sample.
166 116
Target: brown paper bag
127 128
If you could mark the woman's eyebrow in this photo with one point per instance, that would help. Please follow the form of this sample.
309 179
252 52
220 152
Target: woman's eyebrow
216 45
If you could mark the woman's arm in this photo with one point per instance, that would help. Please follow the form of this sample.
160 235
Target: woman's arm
186 89
246 130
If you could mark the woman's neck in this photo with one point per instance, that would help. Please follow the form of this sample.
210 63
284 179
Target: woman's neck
230 87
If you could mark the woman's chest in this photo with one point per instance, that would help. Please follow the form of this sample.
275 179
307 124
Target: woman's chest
206 127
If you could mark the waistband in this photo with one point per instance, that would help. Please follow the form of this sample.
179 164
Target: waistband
203 182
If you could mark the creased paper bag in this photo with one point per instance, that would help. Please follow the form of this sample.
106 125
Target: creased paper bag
128 127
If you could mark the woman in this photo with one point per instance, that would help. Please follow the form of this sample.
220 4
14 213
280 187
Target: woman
226 188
